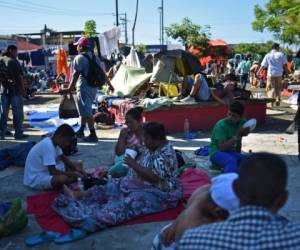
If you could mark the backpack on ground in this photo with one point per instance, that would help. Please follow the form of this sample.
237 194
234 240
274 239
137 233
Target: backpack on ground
96 76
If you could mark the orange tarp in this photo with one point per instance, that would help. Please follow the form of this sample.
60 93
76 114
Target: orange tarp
217 42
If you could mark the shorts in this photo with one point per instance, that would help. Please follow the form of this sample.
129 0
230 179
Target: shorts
203 93
43 181
85 98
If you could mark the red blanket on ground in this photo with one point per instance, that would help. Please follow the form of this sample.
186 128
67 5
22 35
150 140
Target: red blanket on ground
40 206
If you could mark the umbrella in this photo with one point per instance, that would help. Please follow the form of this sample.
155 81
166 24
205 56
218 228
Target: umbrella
185 62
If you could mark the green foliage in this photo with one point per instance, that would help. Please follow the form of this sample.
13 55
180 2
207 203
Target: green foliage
141 48
253 48
90 28
257 50
189 33
280 17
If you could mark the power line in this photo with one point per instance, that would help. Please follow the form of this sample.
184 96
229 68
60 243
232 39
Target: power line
46 10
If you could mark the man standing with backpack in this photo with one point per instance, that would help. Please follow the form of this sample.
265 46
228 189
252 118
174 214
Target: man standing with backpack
88 77
12 81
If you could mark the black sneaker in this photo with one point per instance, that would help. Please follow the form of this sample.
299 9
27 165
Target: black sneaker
80 134
20 137
91 138
8 133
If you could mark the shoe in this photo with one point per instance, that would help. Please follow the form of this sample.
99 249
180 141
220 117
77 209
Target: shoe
42 238
177 98
188 100
80 134
91 138
8 133
74 234
278 103
20 137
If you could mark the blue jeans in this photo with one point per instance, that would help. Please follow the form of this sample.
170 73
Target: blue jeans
243 80
298 125
16 103
229 161
15 155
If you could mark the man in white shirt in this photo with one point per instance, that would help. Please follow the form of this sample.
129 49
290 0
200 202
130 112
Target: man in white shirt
46 167
276 63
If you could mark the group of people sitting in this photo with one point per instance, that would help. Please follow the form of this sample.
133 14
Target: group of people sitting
238 210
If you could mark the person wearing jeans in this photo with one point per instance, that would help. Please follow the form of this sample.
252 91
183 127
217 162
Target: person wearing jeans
16 103
12 93
226 139
244 69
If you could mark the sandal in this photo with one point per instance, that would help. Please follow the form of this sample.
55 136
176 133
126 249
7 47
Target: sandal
74 234
41 238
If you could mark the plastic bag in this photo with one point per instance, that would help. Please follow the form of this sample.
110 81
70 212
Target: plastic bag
68 108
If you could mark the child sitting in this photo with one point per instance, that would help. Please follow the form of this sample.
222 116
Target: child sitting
46 167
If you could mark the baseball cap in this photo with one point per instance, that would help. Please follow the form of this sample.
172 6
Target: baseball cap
83 41
222 193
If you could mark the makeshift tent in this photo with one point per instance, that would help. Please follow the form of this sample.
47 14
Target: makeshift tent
163 71
217 49
133 59
185 62
128 80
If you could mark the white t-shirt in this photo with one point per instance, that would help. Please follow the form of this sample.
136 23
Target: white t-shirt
274 61
42 155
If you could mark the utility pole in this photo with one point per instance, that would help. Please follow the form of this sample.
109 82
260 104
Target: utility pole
124 23
134 22
162 22
117 12
160 12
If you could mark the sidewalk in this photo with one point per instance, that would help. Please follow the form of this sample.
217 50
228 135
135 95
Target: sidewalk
269 137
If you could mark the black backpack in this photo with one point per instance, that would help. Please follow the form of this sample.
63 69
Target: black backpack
3 73
96 76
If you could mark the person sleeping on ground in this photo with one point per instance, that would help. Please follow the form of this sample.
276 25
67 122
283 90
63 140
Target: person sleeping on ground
46 166
208 204
150 186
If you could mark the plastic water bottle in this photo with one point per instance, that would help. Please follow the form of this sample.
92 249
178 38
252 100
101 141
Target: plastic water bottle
110 186
80 184
186 127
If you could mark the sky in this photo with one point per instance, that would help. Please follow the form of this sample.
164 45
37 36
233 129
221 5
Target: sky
229 20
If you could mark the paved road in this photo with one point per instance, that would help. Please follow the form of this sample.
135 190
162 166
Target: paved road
269 137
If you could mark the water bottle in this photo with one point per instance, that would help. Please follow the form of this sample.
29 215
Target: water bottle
186 127
80 184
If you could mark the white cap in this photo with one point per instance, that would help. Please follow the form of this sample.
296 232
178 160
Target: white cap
222 193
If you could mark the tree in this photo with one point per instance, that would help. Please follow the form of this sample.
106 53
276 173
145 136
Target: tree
141 48
90 28
280 17
188 33
257 50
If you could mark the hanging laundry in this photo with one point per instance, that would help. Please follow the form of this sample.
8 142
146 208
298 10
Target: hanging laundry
109 41
61 62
